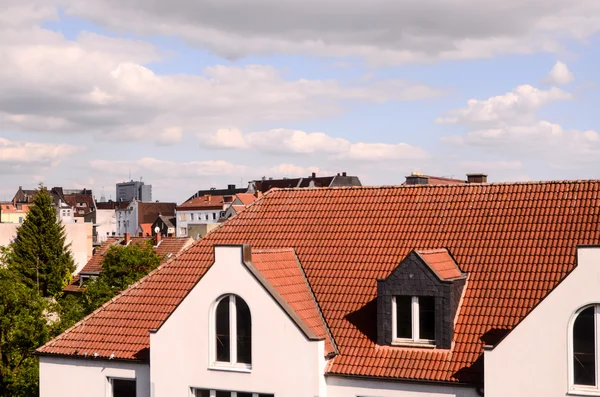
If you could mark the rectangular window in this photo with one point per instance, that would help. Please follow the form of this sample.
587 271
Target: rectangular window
182 217
192 216
223 333
413 319
214 216
123 387
224 393
183 231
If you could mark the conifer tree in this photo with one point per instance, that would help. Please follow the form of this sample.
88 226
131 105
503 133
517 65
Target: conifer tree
39 253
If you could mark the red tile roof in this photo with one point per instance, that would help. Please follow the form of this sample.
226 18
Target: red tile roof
146 229
441 263
202 203
283 271
516 241
94 265
246 198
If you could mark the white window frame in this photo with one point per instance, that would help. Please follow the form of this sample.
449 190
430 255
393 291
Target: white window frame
232 364
584 390
416 337
109 384
213 393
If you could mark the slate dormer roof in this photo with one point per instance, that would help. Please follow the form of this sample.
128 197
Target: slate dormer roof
516 241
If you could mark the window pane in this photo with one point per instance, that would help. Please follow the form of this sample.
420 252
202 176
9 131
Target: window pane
244 394
584 348
123 388
244 332
403 317
427 317
201 393
221 393
222 331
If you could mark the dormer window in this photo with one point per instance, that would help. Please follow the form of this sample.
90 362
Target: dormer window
418 301
413 319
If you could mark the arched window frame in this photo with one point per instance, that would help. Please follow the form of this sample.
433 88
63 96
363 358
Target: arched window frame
233 363
584 389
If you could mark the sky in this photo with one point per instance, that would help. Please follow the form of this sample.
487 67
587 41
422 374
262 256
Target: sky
193 94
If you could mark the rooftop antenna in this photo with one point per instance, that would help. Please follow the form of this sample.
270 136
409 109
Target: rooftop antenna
130 174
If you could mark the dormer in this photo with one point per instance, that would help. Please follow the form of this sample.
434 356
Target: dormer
417 303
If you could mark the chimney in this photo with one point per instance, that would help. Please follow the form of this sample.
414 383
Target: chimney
314 175
477 178
157 238
416 178
344 173
207 197
127 238
231 188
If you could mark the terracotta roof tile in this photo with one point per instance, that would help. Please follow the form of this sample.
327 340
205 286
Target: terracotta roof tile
441 263
515 240
283 271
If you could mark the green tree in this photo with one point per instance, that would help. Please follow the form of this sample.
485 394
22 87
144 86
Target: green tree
121 267
23 328
39 253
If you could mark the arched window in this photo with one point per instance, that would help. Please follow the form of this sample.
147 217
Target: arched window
233 332
584 349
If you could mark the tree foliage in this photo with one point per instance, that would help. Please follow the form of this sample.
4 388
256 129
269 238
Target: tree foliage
39 253
23 328
121 267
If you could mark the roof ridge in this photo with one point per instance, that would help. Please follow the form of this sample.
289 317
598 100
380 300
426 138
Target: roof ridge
454 186
271 250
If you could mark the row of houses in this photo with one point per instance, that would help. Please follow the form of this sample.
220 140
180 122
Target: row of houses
437 287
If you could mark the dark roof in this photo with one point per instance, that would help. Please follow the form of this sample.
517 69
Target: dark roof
148 212
264 185
231 190
516 242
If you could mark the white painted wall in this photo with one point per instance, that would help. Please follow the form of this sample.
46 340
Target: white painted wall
184 219
106 222
127 219
338 386
533 360
67 377
284 362
79 235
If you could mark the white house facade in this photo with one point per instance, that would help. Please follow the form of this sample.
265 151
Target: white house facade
463 290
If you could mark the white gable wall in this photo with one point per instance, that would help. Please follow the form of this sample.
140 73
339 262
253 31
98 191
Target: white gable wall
284 361
533 359
68 377
338 386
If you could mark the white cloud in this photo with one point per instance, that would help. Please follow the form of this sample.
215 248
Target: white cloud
102 85
301 142
33 153
483 166
169 136
516 107
383 32
295 171
168 169
559 75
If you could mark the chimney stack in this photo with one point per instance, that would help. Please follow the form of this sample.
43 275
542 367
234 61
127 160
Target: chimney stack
157 238
127 238
477 178
344 173
416 178
314 175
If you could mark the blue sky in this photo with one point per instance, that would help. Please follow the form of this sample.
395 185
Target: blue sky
191 95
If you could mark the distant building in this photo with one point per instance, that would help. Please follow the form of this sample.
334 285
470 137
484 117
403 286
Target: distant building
230 191
72 205
417 178
166 226
9 213
199 212
130 217
134 190
265 184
